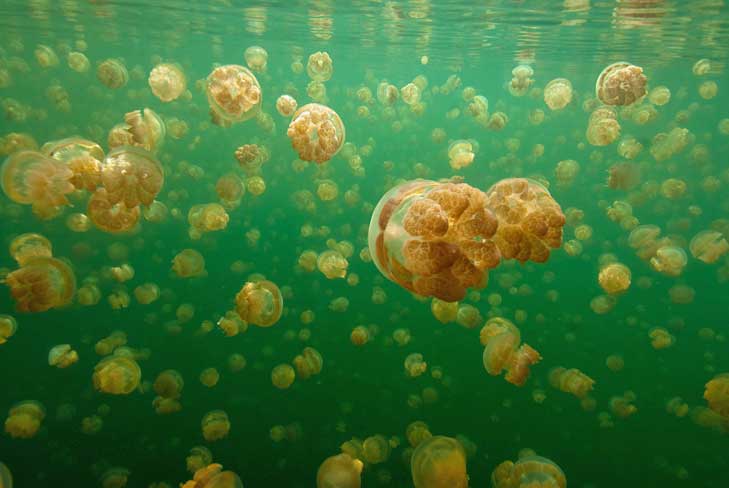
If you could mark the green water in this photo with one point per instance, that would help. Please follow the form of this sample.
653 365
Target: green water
363 391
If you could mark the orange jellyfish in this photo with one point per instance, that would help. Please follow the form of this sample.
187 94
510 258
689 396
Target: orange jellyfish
283 376
316 132
117 375
83 158
8 327
213 476
215 425
43 283
200 457
169 384
502 352
167 81
6 479
234 94
109 216
571 381
259 303
339 471
25 247
621 84
439 462
24 419
189 263
62 356
308 363
531 471
717 394
131 175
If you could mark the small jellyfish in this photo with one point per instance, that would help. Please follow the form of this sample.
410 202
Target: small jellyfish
661 338
320 66
25 247
109 216
46 56
62 356
316 133
359 336
8 327
259 303
669 260
24 419
566 171
717 394
621 84
410 94
439 462
83 158
41 284
614 278
558 93
131 175
571 381
167 81
199 458
207 217
6 479
376 449
169 384
78 62
251 157
504 352
708 246
460 154
147 293
332 264
530 471
286 105
215 425
415 365
444 312
603 127
339 471
117 375
233 93
189 263
112 73
256 58
283 376
308 363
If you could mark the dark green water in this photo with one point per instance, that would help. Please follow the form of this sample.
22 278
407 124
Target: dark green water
364 391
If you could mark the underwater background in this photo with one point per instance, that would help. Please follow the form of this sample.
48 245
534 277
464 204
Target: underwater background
651 349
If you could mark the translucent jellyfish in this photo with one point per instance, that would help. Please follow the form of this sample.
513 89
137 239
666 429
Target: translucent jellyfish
78 62
359 336
108 344
283 376
256 58
468 316
212 476
31 178
376 449
434 238
332 264
521 80
622 406
623 176
236 362
24 419
614 278
530 471
708 246
530 221
167 81
661 338
659 96
112 73
25 247
199 457
717 394
189 263
62 356
234 94
673 188
460 154
111 217
702 67
308 363
41 284
117 375
316 133
339 471
259 303
8 327
215 425
669 260
46 56
208 217
286 105
666 145
621 84
209 377
566 171
83 158
251 157
603 127
147 293
503 351
558 93
571 381
131 175
708 89
410 94
320 66
444 312
327 190
6 479
439 462
415 365
308 260
169 384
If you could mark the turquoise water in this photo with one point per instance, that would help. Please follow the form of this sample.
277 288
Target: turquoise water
451 51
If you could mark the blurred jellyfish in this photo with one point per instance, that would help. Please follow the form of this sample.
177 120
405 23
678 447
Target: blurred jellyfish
207 217
215 425
521 80
259 303
332 264
131 175
717 394
62 356
661 338
669 260
571 381
189 263
199 458
83 157
460 154
234 94
6 479
339 471
558 93
316 133
444 312
112 73
167 81
8 327
415 365
24 419
708 246
213 476
621 84
26 247
529 471
41 284
283 376
566 171
308 363
256 58
117 375
439 462
320 67
504 352
603 127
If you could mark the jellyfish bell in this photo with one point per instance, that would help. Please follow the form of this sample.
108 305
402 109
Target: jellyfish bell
83 157
621 84
41 284
316 133
234 94
167 81
32 178
131 175
25 247
259 303
439 462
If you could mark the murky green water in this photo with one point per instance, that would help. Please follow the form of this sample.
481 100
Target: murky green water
660 161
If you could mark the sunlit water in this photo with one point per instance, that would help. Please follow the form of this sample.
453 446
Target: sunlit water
453 50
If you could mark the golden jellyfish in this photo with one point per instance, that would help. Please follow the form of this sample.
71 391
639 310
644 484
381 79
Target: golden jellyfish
332 264
359 336
8 327
717 394
251 157
415 365
434 238
621 84
558 93
320 66
147 293
215 425
316 133
308 363
669 260
659 96
83 158
566 171
530 471
530 221
108 344
169 384
708 246
25 247
286 105
114 478
661 338
112 73
468 316
603 127
308 260
207 217
708 90
110 216
16 141
504 352
571 381
234 94
629 147
256 185
62 356
189 263
199 457
209 377
339 471
376 449
460 154
117 375
259 303
410 94
167 81
32 178
46 56
622 406
681 294
439 462
213 476
521 80
41 284
327 190
614 278
236 362
132 176
24 419
283 376
443 311
256 58
78 62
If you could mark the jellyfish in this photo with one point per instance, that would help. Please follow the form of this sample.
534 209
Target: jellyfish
376 449
132 176
339 471
8 327
189 263
717 394
460 154
359 336
234 94
621 84
521 80
614 278
215 425
332 264
24 419
661 338
283 376
566 171
116 477
199 458
147 293
320 67
41 284
417 432
503 351
6 478
109 216
256 58
410 94
62 356
308 363
669 260
259 303
530 471
415 365
251 157
603 127
117 375
169 384
286 105
622 406
46 56
112 73
558 93
439 462
236 362
316 133
83 158
530 221
207 217
107 345
708 246
571 381
26 247
444 312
